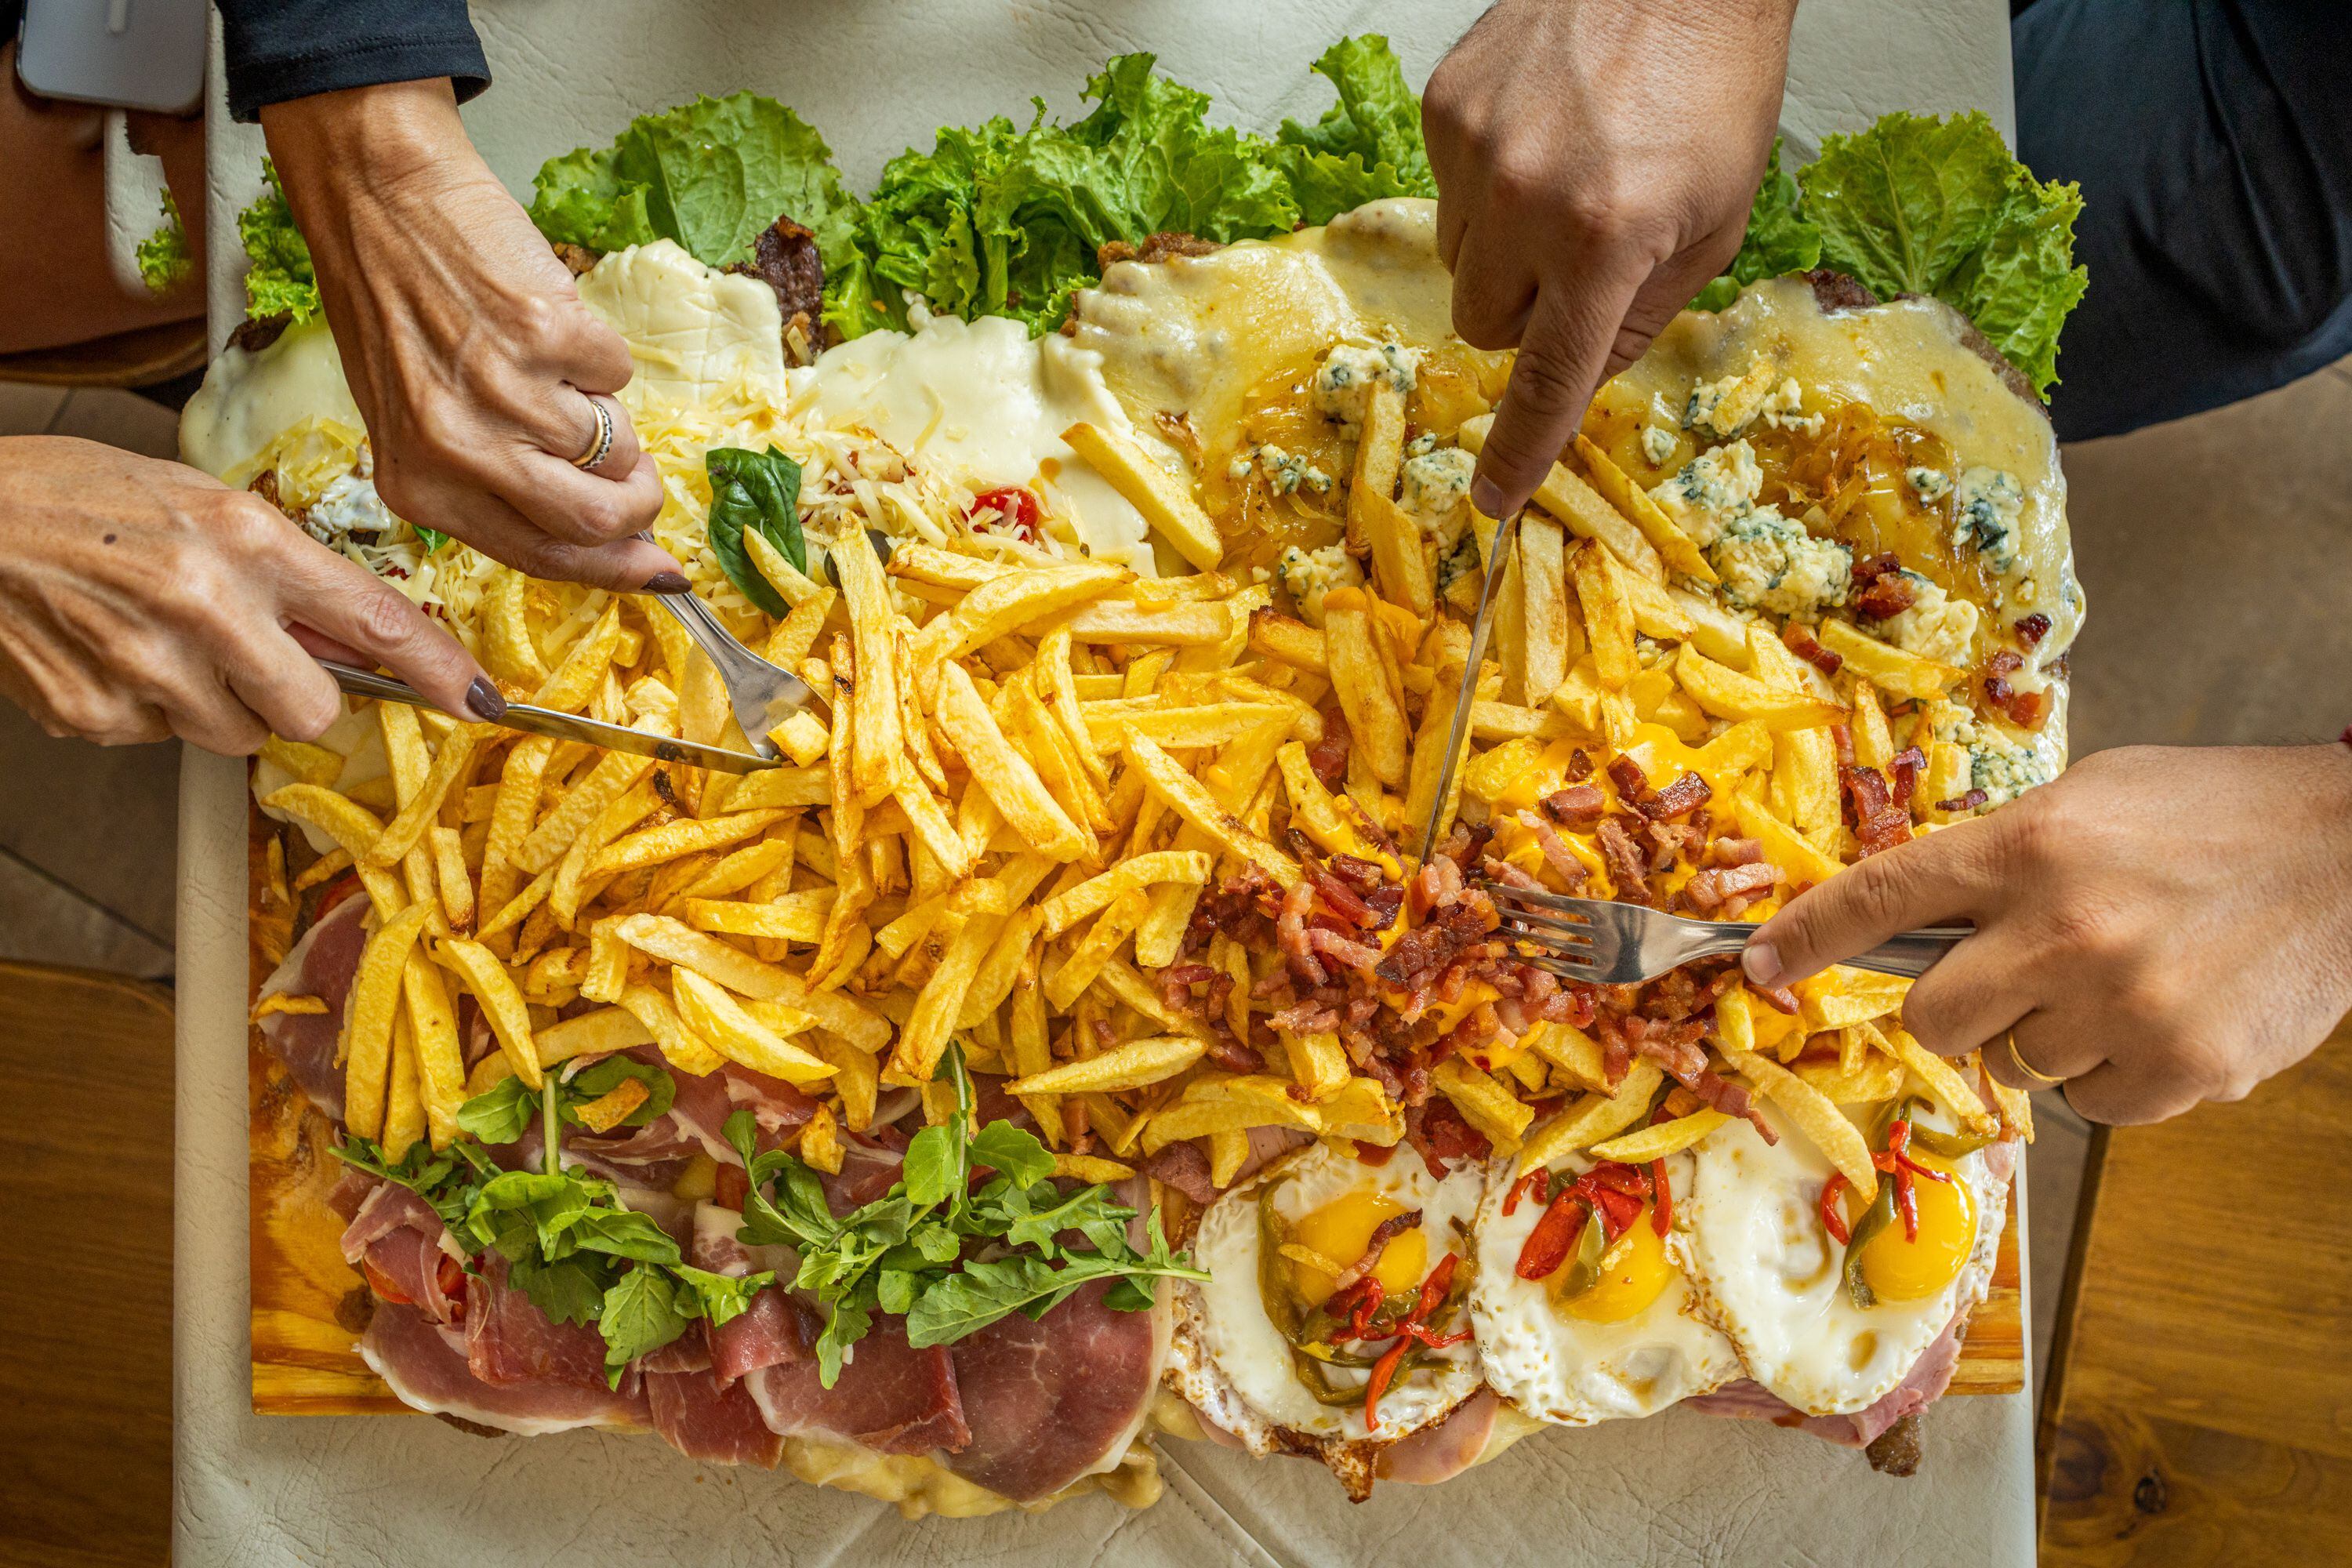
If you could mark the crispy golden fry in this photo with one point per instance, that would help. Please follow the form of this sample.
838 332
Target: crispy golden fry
680 1045
1581 507
352 826
404 1113
1318 1064
1293 642
1544 607
307 763
721 1022
1663 1139
1593 1119
1375 717
581 670
1004 774
507 647
783 789
1065 910
1182 727
366 1046
1492 722
1786 848
1682 556
657 845
1135 1065
573 883
440 1059
1186 796
614 775
1178 626
1484 1101
1805 780
1814 1115
791 917
1728 694
1109 933
457 883
1004 605
1874 1078
1572 1053
1607 615
1062 763
279 1002
596 1033
878 740
1165 500
481 972
1840 995
1873 740
923 1038
1890 668
1943 1080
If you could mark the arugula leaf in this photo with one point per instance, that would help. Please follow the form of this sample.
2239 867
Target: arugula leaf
500 1114
847 1321
548 1202
799 1216
1094 1211
1939 206
622 1233
757 490
432 537
1012 1151
164 259
721 1297
640 1314
420 1171
1779 238
279 281
569 1290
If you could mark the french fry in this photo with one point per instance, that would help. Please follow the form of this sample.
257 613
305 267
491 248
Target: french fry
1318 1063
1375 717
785 789
457 883
592 1034
1065 910
721 1022
993 982
1135 1065
684 1049
507 647
791 917
1178 626
1165 501
1543 588
279 1002
1572 1053
1293 642
657 845
1815 1116
1185 795
325 868
480 972
1581 508
1593 1119
1841 995
1943 1080
403 1112
923 1038
1783 845
581 670
1728 694
1805 779
1109 933
1656 1142
674 942
1483 1101
305 762
1004 605
1180 727
440 1059
1682 556
1006 775
877 734
352 826
1890 669
1874 1078
612 777
366 1045
1607 615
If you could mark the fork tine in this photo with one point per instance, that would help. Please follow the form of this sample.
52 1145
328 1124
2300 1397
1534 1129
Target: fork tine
1543 929
1566 968
1542 898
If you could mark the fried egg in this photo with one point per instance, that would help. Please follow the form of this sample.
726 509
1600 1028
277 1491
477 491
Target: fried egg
1768 1273
1624 1346
1251 1354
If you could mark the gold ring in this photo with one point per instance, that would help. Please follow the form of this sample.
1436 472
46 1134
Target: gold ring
601 447
2044 1079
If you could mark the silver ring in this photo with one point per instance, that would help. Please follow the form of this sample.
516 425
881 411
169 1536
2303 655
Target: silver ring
601 447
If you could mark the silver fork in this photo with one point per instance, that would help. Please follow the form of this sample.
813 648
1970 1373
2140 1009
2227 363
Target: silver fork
1604 943
761 695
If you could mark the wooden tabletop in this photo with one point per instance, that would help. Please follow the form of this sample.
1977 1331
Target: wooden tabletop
86 1187
2200 1408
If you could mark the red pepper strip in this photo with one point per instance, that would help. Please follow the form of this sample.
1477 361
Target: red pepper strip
1907 1192
1433 1290
381 1284
1520 1189
1548 1243
1382 1371
1618 1210
1833 1211
1918 1170
1355 1307
1662 1217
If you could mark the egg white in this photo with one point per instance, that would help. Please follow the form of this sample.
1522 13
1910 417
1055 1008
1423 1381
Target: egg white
1569 1371
1232 1362
1766 1273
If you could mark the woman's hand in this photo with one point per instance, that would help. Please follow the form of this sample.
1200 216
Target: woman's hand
2159 926
140 599
466 346
1595 161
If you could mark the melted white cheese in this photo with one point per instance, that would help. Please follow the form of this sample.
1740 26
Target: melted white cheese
249 400
690 329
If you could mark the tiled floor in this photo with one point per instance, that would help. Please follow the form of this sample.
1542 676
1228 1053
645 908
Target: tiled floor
2217 554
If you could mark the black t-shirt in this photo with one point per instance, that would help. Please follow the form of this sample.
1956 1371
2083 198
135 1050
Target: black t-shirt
278 49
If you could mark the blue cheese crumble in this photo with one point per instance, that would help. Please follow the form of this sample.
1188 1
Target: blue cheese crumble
1657 445
1309 574
1768 562
1434 485
1930 485
1285 472
1936 627
1710 490
2005 771
1987 504
1345 380
1725 407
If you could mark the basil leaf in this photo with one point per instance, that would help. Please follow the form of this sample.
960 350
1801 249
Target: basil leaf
501 1113
759 492
640 1314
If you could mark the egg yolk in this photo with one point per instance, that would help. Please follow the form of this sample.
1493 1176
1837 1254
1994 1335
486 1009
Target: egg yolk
1626 1290
1898 1270
1341 1230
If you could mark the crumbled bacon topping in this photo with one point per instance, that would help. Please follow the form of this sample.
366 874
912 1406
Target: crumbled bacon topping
1801 642
1881 591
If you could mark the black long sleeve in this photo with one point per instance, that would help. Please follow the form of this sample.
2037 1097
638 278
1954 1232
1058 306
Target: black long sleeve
278 49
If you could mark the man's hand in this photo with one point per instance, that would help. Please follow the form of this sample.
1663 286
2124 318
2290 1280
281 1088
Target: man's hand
140 599
2159 926
1595 160
466 346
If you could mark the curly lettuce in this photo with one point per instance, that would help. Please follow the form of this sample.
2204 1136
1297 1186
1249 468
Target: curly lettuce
279 281
1779 238
1367 145
164 259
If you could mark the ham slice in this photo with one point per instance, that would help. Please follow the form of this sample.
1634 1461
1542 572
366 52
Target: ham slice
704 1415
1442 1452
509 1341
766 1333
1926 1382
322 965
426 1365
1051 1401
403 1241
890 1397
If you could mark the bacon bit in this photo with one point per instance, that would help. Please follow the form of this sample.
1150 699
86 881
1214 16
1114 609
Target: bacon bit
1903 775
1373 1154
1801 642
1442 1138
1881 591
1628 868
1556 853
2032 629
1780 998
1878 823
1580 805
1833 1211
1632 782
1679 798
1716 886
1580 766
1388 1230
1328 756
1969 802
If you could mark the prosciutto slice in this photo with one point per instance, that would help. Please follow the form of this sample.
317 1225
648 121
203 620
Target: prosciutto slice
891 1397
399 1237
1053 1400
509 1341
322 965
426 1365
767 1332
704 1415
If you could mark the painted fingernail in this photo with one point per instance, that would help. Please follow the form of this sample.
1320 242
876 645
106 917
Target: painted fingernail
1762 962
667 583
1487 495
485 700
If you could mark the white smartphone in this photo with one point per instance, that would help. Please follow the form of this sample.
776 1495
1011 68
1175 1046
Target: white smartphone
127 54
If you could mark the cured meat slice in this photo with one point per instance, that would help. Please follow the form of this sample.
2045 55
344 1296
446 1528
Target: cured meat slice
509 1341
890 1397
766 1333
704 1415
426 1365
1442 1452
1055 1399
322 965
404 1243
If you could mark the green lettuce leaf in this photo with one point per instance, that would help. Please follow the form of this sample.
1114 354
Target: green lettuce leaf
163 256
709 174
279 281
1367 145
1779 238
1922 205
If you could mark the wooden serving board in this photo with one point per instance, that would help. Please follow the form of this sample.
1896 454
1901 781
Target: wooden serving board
308 1306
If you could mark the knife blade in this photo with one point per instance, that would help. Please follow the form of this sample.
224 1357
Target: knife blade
1505 534
562 726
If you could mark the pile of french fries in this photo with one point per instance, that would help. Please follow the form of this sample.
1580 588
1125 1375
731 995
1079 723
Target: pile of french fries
1026 769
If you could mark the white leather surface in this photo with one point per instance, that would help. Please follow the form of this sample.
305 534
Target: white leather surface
384 1492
